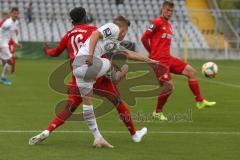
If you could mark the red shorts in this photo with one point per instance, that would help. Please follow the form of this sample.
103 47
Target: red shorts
103 87
174 65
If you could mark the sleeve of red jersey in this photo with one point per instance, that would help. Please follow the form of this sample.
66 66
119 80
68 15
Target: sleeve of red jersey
62 45
148 34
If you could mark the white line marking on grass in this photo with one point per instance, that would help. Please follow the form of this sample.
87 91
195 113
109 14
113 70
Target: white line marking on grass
126 132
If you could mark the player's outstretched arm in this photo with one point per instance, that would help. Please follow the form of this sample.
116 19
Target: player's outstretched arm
96 35
54 52
135 56
145 40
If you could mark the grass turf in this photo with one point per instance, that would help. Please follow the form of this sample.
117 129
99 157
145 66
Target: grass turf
213 133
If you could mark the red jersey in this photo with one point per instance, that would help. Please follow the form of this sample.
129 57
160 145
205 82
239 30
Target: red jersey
72 40
159 35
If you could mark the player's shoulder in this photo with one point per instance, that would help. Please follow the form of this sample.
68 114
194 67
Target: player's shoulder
84 27
90 27
8 21
158 20
3 20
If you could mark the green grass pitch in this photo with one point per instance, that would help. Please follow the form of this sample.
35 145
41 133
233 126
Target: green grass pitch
212 134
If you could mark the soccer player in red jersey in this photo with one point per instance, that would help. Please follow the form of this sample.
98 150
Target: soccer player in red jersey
73 41
157 41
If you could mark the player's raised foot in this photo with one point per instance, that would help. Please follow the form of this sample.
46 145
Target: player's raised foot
204 104
159 116
137 137
119 75
102 143
5 81
39 138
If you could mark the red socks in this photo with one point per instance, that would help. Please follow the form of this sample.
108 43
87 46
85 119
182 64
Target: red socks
59 119
13 66
162 99
66 113
126 117
194 86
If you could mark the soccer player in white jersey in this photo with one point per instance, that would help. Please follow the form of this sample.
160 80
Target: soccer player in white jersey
7 32
88 65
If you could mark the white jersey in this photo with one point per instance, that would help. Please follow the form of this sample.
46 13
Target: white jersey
8 31
109 43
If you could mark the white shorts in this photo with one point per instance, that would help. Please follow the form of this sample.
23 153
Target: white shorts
5 53
87 75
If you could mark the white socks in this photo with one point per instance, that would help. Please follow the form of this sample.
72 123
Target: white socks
89 117
4 70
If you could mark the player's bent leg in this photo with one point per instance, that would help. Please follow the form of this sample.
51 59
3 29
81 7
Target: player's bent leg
58 120
105 87
4 79
6 57
168 88
86 91
193 84
90 119
74 100
116 75
61 117
85 78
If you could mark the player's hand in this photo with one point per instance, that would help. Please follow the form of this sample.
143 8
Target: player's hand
148 60
89 60
19 45
46 45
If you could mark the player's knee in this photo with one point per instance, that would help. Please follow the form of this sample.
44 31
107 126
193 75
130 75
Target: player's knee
116 101
192 73
72 109
169 87
172 88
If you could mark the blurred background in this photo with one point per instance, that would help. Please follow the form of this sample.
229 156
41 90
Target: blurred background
203 29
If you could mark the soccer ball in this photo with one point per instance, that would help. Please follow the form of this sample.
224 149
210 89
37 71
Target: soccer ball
209 69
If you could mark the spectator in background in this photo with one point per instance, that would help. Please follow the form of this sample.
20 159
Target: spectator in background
119 2
89 18
29 12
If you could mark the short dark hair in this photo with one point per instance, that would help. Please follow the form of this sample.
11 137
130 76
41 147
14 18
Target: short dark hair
14 9
78 15
122 19
168 3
